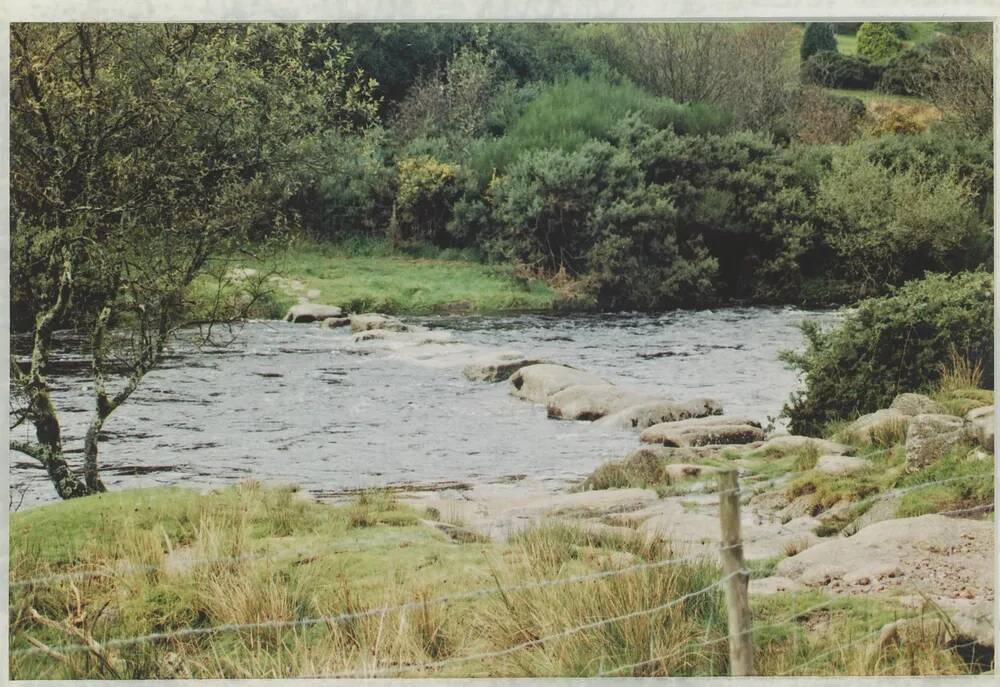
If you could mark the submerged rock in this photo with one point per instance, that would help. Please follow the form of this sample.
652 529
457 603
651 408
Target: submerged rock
366 321
929 437
592 401
334 322
537 382
916 404
981 426
497 367
311 312
716 429
646 415
878 426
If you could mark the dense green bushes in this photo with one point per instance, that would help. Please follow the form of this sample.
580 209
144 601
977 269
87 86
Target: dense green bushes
890 345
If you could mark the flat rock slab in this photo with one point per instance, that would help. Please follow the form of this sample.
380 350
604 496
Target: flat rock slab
499 510
497 367
366 321
774 585
397 339
646 415
537 382
335 322
312 312
840 465
951 561
716 429
592 401
788 443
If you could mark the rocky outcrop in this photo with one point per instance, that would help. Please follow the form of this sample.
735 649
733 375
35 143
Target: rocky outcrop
916 404
646 415
311 312
537 382
716 429
929 437
882 425
981 426
497 367
950 561
366 321
592 401
789 443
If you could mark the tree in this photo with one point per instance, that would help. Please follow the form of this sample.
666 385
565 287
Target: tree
818 37
143 157
878 41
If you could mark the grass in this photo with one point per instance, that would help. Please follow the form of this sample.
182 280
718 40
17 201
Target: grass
369 275
172 559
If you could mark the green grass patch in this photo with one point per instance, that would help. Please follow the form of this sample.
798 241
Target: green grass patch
369 275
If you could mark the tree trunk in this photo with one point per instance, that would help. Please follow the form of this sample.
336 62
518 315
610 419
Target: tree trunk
49 451
90 472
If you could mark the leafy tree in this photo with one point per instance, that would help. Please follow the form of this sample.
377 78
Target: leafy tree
878 41
143 158
817 37
960 81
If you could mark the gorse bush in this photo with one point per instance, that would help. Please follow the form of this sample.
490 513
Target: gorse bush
816 38
878 41
426 189
892 344
887 224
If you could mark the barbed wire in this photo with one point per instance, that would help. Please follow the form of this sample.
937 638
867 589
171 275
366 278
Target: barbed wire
382 610
539 640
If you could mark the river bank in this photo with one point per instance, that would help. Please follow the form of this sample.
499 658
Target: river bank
504 577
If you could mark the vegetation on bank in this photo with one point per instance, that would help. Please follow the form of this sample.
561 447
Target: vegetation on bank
170 560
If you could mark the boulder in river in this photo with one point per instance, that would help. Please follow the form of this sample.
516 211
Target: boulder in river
410 337
311 312
981 426
497 367
366 321
537 382
916 404
592 401
931 436
704 431
652 413
882 425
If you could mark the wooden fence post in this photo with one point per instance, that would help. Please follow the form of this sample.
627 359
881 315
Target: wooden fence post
737 596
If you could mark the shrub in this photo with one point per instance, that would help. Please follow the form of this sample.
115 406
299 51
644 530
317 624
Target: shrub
878 41
905 74
834 70
888 224
846 27
816 38
820 118
426 190
890 345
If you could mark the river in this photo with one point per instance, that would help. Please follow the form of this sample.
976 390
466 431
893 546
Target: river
298 404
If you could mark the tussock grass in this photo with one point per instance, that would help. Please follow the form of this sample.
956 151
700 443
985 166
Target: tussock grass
252 554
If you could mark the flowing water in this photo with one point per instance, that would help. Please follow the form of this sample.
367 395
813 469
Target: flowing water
298 404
